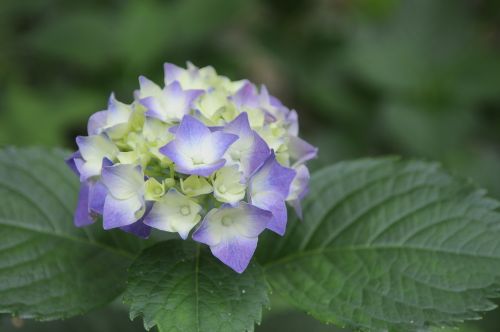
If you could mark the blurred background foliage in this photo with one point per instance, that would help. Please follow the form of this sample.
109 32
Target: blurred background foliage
418 78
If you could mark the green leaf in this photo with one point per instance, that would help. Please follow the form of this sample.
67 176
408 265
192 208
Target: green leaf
179 286
109 319
50 269
390 245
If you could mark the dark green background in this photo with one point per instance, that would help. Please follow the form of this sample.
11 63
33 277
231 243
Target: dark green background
419 78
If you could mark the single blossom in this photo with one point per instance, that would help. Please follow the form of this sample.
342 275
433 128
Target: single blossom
116 121
229 185
189 78
174 212
125 203
268 189
232 233
169 104
93 150
196 150
250 151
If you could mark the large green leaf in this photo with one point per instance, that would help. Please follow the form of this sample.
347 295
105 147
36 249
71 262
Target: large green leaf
48 268
390 245
180 286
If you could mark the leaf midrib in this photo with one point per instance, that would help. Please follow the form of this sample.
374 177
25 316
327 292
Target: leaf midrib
66 237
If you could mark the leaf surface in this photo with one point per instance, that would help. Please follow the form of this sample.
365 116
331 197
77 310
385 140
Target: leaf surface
390 245
180 286
49 269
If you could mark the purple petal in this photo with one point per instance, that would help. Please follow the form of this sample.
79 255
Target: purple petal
272 177
257 219
118 213
97 122
70 161
191 132
268 189
250 147
147 87
97 196
173 129
239 126
218 144
259 154
153 106
232 231
235 253
174 150
82 217
246 97
172 104
301 151
123 180
273 101
138 228
195 149
183 162
175 91
85 170
276 205
172 72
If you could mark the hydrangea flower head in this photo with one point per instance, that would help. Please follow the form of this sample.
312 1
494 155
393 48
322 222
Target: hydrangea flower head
205 155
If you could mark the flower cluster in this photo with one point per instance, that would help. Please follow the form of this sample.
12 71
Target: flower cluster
203 152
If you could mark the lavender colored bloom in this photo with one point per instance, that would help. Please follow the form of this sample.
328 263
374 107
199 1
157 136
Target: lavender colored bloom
115 121
90 203
246 97
124 204
250 151
174 73
301 151
200 143
139 228
232 233
268 188
93 150
196 150
70 161
82 213
170 104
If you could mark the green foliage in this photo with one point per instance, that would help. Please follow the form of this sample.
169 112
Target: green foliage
50 269
179 286
390 245
112 319
385 245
